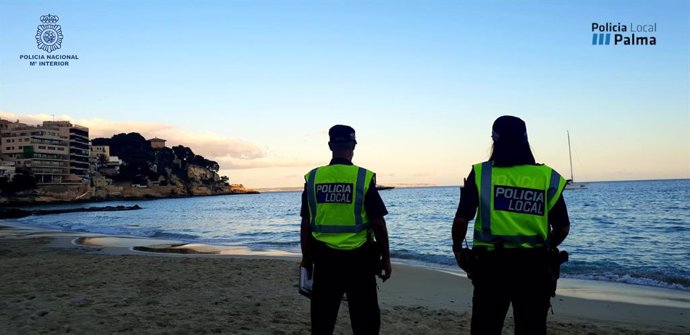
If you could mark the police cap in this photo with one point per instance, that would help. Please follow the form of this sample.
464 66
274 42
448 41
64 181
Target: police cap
341 136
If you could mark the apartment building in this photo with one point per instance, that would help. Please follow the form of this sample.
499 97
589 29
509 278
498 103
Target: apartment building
100 150
41 150
7 169
55 152
78 141
103 162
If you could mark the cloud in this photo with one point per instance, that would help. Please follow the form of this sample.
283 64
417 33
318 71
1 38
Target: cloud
230 153
213 145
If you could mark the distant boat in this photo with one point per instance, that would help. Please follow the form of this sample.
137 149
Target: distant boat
384 187
570 184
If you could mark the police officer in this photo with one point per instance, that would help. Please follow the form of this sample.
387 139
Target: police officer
521 216
341 210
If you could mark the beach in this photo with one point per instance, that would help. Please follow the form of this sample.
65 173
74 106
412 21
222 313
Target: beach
51 285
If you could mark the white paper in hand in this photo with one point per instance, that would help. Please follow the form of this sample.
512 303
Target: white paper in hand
305 282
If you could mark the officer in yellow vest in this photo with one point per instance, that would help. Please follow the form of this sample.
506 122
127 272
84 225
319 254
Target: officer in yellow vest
522 217
344 237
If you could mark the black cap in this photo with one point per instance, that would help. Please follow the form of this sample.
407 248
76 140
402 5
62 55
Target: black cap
341 137
510 128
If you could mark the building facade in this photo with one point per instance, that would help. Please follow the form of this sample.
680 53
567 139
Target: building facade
157 143
100 150
78 137
55 152
7 169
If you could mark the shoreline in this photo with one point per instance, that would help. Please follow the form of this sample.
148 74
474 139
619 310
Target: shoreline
22 203
572 287
426 297
577 287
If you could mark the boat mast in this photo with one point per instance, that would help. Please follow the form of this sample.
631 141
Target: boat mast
570 155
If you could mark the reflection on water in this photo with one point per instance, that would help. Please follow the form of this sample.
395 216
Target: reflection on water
175 247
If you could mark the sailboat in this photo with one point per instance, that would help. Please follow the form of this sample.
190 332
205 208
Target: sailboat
570 183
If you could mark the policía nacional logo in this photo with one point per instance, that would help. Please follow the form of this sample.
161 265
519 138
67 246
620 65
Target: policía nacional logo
49 34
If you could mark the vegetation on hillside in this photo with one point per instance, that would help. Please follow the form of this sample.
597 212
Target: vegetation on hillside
21 181
141 162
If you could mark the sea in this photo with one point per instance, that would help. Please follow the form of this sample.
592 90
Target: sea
635 232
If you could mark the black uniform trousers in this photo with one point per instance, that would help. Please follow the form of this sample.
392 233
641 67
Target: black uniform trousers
517 276
352 273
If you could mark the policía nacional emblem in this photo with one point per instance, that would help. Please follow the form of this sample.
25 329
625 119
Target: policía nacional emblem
49 34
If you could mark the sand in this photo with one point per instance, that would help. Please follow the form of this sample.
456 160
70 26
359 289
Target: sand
49 285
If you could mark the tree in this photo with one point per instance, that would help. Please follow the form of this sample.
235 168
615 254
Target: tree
20 182
102 161
135 151
141 161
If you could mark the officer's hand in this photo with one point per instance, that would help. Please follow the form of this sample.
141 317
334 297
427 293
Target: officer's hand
466 260
386 270
458 258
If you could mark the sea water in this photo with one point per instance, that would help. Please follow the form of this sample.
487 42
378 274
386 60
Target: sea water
634 232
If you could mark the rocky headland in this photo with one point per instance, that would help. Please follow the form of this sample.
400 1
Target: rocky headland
141 172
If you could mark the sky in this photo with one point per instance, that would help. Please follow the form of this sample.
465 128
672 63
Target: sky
255 85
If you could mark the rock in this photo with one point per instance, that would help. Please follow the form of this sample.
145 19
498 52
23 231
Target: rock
13 213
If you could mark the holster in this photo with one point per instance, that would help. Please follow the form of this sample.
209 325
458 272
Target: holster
555 258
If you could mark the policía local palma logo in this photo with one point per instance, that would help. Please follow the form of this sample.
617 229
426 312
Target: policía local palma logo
49 34
623 34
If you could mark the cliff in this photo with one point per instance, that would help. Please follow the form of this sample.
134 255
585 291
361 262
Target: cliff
121 191
144 172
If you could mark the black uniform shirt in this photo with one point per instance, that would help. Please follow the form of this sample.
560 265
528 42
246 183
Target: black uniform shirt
469 201
372 199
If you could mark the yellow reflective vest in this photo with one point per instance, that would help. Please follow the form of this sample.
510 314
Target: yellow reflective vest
335 195
514 204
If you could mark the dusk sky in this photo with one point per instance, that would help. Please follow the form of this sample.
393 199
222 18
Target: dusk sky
255 85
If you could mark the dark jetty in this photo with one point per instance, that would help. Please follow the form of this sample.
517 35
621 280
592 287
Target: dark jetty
15 213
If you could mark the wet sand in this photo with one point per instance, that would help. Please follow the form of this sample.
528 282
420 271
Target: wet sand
49 285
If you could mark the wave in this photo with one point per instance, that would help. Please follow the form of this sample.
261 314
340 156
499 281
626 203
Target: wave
669 283
289 246
424 258
281 243
126 230
575 270
173 236
68 225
